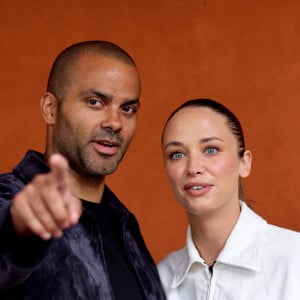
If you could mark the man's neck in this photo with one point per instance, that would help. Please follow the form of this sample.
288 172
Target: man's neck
89 189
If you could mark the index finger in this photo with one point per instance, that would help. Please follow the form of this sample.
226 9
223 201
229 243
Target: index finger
59 168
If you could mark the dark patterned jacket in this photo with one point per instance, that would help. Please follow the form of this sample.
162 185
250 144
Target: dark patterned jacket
73 266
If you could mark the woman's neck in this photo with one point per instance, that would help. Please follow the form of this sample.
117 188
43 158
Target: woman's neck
210 231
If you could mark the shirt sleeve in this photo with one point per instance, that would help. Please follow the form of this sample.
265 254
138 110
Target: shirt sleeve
18 257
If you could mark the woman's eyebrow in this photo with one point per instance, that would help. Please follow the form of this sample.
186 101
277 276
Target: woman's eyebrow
201 141
209 139
173 143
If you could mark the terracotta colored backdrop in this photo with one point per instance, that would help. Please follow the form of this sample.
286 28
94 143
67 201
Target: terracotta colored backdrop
243 53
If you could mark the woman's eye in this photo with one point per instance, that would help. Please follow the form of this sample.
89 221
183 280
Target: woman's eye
176 155
211 150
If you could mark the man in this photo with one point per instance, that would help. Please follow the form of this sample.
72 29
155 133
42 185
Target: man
64 234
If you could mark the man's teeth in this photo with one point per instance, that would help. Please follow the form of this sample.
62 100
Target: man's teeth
197 187
107 144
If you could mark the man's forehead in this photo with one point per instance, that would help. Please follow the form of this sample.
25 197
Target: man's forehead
103 57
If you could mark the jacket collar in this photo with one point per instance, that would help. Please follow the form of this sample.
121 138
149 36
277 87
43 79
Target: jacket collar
242 248
32 164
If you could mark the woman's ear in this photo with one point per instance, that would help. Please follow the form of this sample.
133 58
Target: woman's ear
245 164
49 108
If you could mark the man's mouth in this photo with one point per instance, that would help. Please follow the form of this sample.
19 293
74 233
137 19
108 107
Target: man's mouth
106 147
106 144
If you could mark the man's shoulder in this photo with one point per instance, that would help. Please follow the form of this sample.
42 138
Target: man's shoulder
31 164
10 184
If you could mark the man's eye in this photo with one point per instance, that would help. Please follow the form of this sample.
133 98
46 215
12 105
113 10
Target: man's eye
176 155
95 102
211 150
129 109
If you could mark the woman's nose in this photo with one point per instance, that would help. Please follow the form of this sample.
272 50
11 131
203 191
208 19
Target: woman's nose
195 166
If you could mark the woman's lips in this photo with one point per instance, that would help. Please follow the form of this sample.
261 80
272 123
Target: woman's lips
197 188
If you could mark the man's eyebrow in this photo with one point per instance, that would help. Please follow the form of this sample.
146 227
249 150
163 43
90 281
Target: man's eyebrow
133 102
93 92
201 141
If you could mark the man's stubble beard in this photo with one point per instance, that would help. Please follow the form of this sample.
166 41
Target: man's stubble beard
83 158
90 165
95 165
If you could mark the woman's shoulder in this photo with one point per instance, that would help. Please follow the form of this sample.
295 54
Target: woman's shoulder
277 233
172 259
168 267
281 241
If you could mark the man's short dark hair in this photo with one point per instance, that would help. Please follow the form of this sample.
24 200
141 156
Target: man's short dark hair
62 69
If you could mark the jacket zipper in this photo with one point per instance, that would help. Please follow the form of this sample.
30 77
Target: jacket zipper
211 272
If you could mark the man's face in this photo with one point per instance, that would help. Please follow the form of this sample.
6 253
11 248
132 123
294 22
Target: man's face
97 118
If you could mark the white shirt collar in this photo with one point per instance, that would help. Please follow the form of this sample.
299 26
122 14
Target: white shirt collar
241 249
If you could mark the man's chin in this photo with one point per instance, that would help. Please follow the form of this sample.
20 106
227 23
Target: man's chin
103 170
101 166
108 171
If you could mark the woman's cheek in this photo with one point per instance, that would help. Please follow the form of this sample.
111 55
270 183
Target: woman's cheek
229 165
172 175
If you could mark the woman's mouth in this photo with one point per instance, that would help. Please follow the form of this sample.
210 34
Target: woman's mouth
196 188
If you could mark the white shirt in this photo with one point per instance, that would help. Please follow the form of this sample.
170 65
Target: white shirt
258 262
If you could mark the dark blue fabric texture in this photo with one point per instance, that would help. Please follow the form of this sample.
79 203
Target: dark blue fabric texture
73 266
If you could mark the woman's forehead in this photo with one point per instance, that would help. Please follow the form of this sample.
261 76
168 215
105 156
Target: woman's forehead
197 116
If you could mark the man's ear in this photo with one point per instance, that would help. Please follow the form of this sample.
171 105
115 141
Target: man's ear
49 108
245 164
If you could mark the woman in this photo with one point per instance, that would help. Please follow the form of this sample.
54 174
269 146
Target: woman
230 252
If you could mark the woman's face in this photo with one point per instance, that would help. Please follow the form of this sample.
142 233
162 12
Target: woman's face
201 160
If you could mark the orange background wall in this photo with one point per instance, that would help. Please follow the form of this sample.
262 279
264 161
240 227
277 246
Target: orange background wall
245 54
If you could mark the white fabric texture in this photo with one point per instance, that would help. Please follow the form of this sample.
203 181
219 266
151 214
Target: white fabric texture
258 262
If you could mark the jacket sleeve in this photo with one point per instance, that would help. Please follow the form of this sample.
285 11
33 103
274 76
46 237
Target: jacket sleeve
18 257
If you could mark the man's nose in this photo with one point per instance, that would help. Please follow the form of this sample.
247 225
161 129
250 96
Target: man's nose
112 120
